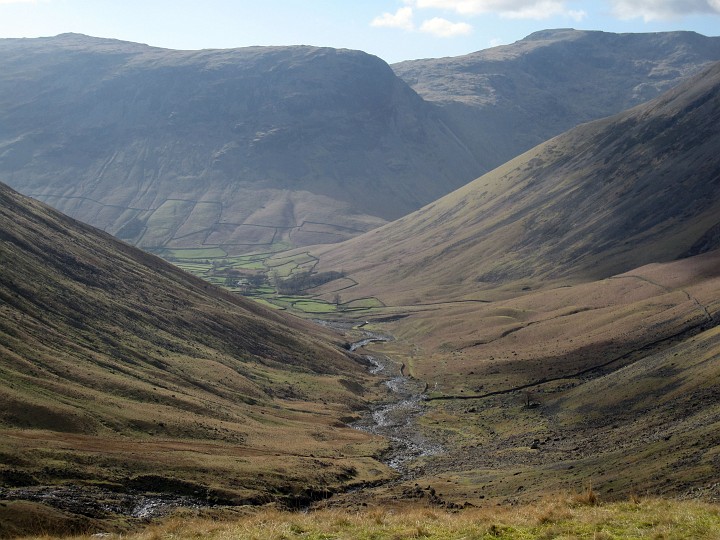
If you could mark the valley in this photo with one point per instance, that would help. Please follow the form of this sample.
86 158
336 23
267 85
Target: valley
512 367
552 364
330 315
497 376
516 408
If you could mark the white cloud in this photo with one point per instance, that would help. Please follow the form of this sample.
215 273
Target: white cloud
402 18
510 9
535 10
579 15
444 28
663 9
18 1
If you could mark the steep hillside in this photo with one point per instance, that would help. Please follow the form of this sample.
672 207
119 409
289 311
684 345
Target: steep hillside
242 149
120 371
608 196
507 99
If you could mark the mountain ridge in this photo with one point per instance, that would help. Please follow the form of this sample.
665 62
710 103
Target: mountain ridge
552 80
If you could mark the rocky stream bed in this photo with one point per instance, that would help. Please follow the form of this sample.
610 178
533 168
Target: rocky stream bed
396 418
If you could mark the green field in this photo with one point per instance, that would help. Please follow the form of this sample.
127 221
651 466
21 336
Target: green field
194 268
215 266
314 306
249 265
193 253
284 270
265 303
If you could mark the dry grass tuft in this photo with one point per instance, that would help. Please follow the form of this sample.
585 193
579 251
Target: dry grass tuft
587 497
550 510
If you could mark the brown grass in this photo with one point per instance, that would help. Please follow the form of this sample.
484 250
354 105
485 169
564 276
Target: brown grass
558 517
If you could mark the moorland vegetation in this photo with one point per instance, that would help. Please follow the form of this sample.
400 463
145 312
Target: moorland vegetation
548 329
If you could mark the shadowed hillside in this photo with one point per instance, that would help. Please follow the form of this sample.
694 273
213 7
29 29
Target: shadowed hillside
605 197
505 100
121 371
245 149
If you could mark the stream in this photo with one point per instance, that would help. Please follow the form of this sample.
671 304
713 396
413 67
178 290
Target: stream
396 418
99 503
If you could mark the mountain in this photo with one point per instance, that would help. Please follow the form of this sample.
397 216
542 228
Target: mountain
505 100
248 149
265 148
120 372
608 196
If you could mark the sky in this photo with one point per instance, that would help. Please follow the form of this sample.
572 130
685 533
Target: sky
394 30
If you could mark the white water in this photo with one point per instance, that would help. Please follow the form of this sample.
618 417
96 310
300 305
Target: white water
396 419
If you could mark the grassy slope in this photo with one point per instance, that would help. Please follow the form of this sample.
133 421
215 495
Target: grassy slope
601 199
115 364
